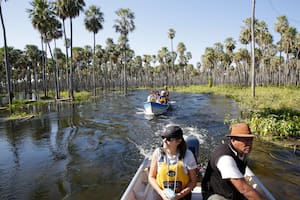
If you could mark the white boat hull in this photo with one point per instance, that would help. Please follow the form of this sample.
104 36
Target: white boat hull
140 189
154 108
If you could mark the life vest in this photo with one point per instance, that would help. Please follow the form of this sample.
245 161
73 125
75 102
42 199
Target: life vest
171 174
152 98
163 100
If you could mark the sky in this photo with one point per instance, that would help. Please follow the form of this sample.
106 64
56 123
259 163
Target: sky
198 23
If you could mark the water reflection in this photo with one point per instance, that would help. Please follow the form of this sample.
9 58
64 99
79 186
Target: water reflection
91 150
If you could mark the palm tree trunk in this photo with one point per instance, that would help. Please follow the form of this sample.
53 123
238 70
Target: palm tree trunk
67 55
7 68
94 78
71 92
252 51
124 71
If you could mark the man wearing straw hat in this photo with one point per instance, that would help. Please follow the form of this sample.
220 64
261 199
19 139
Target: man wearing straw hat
224 176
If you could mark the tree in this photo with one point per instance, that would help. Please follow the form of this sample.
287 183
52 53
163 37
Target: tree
124 25
70 9
93 22
40 15
252 51
54 32
280 27
171 35
33 56
7 67
59 7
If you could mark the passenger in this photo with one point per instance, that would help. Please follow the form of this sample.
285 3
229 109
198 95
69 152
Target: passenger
152 97
224 176
167 91
173 167
163 98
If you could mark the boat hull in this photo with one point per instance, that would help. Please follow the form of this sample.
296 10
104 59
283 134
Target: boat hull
140 189
155 108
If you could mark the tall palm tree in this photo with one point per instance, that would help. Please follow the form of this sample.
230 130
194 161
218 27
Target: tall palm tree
40 15
60 10
288 42
171 35
252 50
54 33
70 9
93 22
280 27
7 68
181 48
32 55
209 62
162 56
124 25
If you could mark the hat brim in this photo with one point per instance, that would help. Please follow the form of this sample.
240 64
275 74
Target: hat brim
240 135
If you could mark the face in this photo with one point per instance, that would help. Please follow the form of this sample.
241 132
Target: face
169 140
243 145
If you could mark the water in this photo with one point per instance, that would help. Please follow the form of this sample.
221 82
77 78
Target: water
92 150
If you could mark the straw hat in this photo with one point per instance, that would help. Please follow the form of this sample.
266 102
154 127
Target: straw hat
240 130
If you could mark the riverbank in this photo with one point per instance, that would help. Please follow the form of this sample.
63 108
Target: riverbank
274 112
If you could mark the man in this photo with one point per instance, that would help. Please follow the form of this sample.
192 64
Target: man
224 176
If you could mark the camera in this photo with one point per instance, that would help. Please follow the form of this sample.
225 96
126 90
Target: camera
169 193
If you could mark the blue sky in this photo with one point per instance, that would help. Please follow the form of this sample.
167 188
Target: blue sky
198 23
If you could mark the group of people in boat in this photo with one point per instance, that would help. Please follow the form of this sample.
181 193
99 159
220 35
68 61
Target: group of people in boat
158 97
173 170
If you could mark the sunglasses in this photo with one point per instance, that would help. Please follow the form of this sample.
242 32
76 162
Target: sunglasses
169 139
245 140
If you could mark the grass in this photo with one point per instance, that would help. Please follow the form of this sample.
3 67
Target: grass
273 113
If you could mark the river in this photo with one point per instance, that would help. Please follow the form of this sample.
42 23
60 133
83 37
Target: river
91 150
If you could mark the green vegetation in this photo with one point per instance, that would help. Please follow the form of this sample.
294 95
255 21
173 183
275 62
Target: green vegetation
273 113
19 108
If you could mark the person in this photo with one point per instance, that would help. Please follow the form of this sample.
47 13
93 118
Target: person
172 172
163 97
152 97
224 175
167 91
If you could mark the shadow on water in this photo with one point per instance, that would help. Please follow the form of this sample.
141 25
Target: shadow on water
91 150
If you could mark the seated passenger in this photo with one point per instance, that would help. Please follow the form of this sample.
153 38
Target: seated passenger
152 97
224 176
167 91
172 172
163 97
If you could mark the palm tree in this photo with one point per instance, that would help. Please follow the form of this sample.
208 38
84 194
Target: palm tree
181 48
124 25
54 32
7 68
33 56
288 41
280 27
209 60
252 51
171 35
40 15
162 57
59 7
93 22
70 9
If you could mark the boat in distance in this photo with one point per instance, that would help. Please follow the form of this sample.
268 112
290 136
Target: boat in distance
140 189
154 108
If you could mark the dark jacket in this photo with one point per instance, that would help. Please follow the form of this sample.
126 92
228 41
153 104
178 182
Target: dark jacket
213 183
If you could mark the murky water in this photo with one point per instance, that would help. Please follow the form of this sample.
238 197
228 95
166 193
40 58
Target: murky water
91 150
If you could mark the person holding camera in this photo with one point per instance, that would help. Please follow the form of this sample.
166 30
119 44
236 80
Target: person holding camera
173 167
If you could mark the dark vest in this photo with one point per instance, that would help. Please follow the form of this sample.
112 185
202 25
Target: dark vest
213 183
